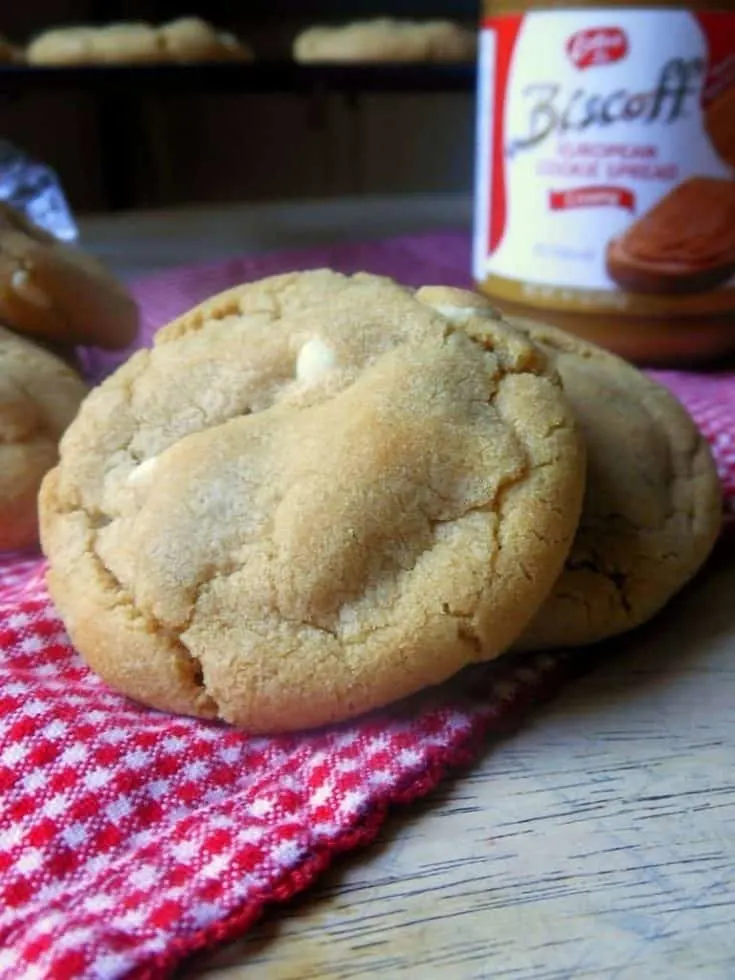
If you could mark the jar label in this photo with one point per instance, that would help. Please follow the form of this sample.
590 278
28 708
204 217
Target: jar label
606 161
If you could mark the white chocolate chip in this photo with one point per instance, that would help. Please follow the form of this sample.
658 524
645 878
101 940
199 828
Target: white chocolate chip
315 359
21 283
142 472
461 314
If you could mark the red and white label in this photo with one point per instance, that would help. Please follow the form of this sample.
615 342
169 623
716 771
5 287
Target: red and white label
592 197
586 120
597 46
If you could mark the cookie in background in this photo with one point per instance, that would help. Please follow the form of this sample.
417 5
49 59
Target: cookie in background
386 40
185 40
191 39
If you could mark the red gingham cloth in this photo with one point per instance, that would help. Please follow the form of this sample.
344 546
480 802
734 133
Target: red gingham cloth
130 839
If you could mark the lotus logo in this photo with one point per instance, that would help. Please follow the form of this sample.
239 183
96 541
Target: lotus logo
597 46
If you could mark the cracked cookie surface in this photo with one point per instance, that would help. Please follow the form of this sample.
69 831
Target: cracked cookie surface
652 507
39 396
314 495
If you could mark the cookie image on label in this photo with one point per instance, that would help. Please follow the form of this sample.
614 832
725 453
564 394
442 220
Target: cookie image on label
182 41
191 39
315 495
684 244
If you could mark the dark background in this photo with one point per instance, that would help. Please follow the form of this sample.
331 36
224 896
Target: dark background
146 144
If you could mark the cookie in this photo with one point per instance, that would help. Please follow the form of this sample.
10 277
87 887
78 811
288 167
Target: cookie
313 496
188 39
39 396
684 244
61 46
58 293
652 507
385 39
124 43
191 39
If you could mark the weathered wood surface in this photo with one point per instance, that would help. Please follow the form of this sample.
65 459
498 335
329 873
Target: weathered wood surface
598 842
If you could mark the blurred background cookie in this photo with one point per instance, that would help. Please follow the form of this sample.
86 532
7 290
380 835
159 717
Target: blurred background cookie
193 39
57 292
39 396
188 39
385 39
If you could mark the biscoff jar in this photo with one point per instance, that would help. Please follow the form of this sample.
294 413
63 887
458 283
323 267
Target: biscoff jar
605 189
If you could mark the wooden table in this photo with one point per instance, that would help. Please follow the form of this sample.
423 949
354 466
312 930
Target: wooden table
597 843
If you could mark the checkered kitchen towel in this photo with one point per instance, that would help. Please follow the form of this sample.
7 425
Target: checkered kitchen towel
130 839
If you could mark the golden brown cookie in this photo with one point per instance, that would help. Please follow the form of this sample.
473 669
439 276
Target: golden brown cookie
61 46
652 507
126 44
719 120
313 496
39 396
56 292
385 39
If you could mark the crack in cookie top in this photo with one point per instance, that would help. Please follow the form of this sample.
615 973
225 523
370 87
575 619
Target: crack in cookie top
314 495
